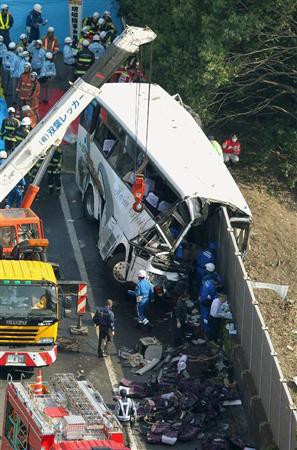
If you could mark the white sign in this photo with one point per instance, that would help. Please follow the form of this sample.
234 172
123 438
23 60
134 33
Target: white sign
75 18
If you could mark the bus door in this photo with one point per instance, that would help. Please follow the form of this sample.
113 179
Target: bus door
109 236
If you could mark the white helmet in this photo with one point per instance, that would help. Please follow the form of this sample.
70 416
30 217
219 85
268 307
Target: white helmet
24 54
26 121
34 74
49 55
210 267
85 29
37 7
3 154
85 43
19 51
27 65
1 38
96 15
106 13
96 37
101 21
68 40
39 42
26 108
50 29
12 46
141 273
102 34
11 110
4 6
23 36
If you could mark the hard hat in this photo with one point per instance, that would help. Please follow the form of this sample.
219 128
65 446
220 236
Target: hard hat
19 51
1 38
85 43
49 55
68 40
102 34
11 110
37 7
26 121
26 108
4 6
210 267
96 15
141 273
123 392
39 41
34 75
85 29
24 54
101 21
23 36
106 13
50 29
12 46
96 37
3 154
27 65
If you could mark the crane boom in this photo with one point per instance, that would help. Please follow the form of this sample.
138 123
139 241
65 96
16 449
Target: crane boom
51 129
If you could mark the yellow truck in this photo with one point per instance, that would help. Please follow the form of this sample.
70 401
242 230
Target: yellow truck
29 313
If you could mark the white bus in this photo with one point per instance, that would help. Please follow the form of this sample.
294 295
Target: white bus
133 129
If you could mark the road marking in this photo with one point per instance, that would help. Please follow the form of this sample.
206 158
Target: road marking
133 442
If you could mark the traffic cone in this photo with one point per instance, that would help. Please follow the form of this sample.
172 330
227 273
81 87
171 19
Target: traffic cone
38 385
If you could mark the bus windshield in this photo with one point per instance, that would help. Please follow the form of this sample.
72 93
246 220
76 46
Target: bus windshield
20 301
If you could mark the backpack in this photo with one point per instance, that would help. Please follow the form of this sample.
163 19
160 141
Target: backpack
101 318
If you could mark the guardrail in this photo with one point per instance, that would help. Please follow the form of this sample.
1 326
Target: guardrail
253 336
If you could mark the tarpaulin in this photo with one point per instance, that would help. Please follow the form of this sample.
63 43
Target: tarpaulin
56 12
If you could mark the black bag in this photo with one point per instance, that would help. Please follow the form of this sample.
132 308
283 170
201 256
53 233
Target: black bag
101 318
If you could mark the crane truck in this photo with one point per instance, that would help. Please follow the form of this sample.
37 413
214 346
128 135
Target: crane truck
30 308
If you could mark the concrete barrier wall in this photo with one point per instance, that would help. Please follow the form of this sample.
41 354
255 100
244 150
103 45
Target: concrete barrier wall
259 354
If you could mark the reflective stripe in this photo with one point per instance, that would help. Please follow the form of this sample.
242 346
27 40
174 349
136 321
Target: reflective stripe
4 26
88 60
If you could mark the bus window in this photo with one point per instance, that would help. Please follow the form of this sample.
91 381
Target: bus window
102 135
126 158
89 117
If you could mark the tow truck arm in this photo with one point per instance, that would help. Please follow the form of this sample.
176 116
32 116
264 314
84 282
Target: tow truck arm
51 129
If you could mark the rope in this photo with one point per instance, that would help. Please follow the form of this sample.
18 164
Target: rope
149 97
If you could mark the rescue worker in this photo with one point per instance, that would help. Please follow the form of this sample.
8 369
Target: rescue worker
206 295
96 47
24 86
125 409
15 197
37 56
92 23
104 319
216 146
27 112
84 34
8 62
6 23
54 172
84 59
3 49
8 129
33 99
50 41
109 27
47 74
33 22
23 43
17 71
23 130
69 60
144 293
203 257
211 274
231 148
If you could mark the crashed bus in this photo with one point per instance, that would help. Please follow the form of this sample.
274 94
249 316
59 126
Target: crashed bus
132 129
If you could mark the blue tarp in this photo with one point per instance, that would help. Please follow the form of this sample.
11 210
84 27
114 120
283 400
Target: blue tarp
56 12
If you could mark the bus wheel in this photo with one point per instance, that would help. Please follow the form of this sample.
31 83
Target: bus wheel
88 205
117 265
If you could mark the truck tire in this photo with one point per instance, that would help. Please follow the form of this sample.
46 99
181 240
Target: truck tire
115 267
88 205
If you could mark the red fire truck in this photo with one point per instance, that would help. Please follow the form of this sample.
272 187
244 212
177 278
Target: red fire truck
63 413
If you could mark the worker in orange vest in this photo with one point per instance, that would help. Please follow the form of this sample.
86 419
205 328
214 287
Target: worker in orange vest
33 100
24 86
6 22
50 42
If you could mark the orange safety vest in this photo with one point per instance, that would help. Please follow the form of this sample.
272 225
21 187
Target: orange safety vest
4 26
50 45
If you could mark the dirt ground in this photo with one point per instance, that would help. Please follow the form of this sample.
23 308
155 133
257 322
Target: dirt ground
272 259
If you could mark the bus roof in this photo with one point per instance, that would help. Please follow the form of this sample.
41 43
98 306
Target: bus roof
26 270
175 142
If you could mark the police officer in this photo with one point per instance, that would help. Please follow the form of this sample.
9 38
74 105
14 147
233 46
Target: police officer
144 293
84 59
47 73
23 130
3 49
96 47
37 55
69 60
6 23
8 62
9 127
125 409
54 172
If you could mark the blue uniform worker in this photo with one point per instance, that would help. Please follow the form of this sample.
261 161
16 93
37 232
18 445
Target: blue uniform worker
15 196
211 274
33 22
144 292
207 293
202 258
37 55
96 47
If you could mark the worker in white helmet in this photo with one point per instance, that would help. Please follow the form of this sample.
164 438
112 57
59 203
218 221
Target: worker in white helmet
27 112
23 130
23 42
97 47
9 61
92 23
69 60
109 28
6 23
84 59
8 129
46 76
33 22
50 41
144 293
37 55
